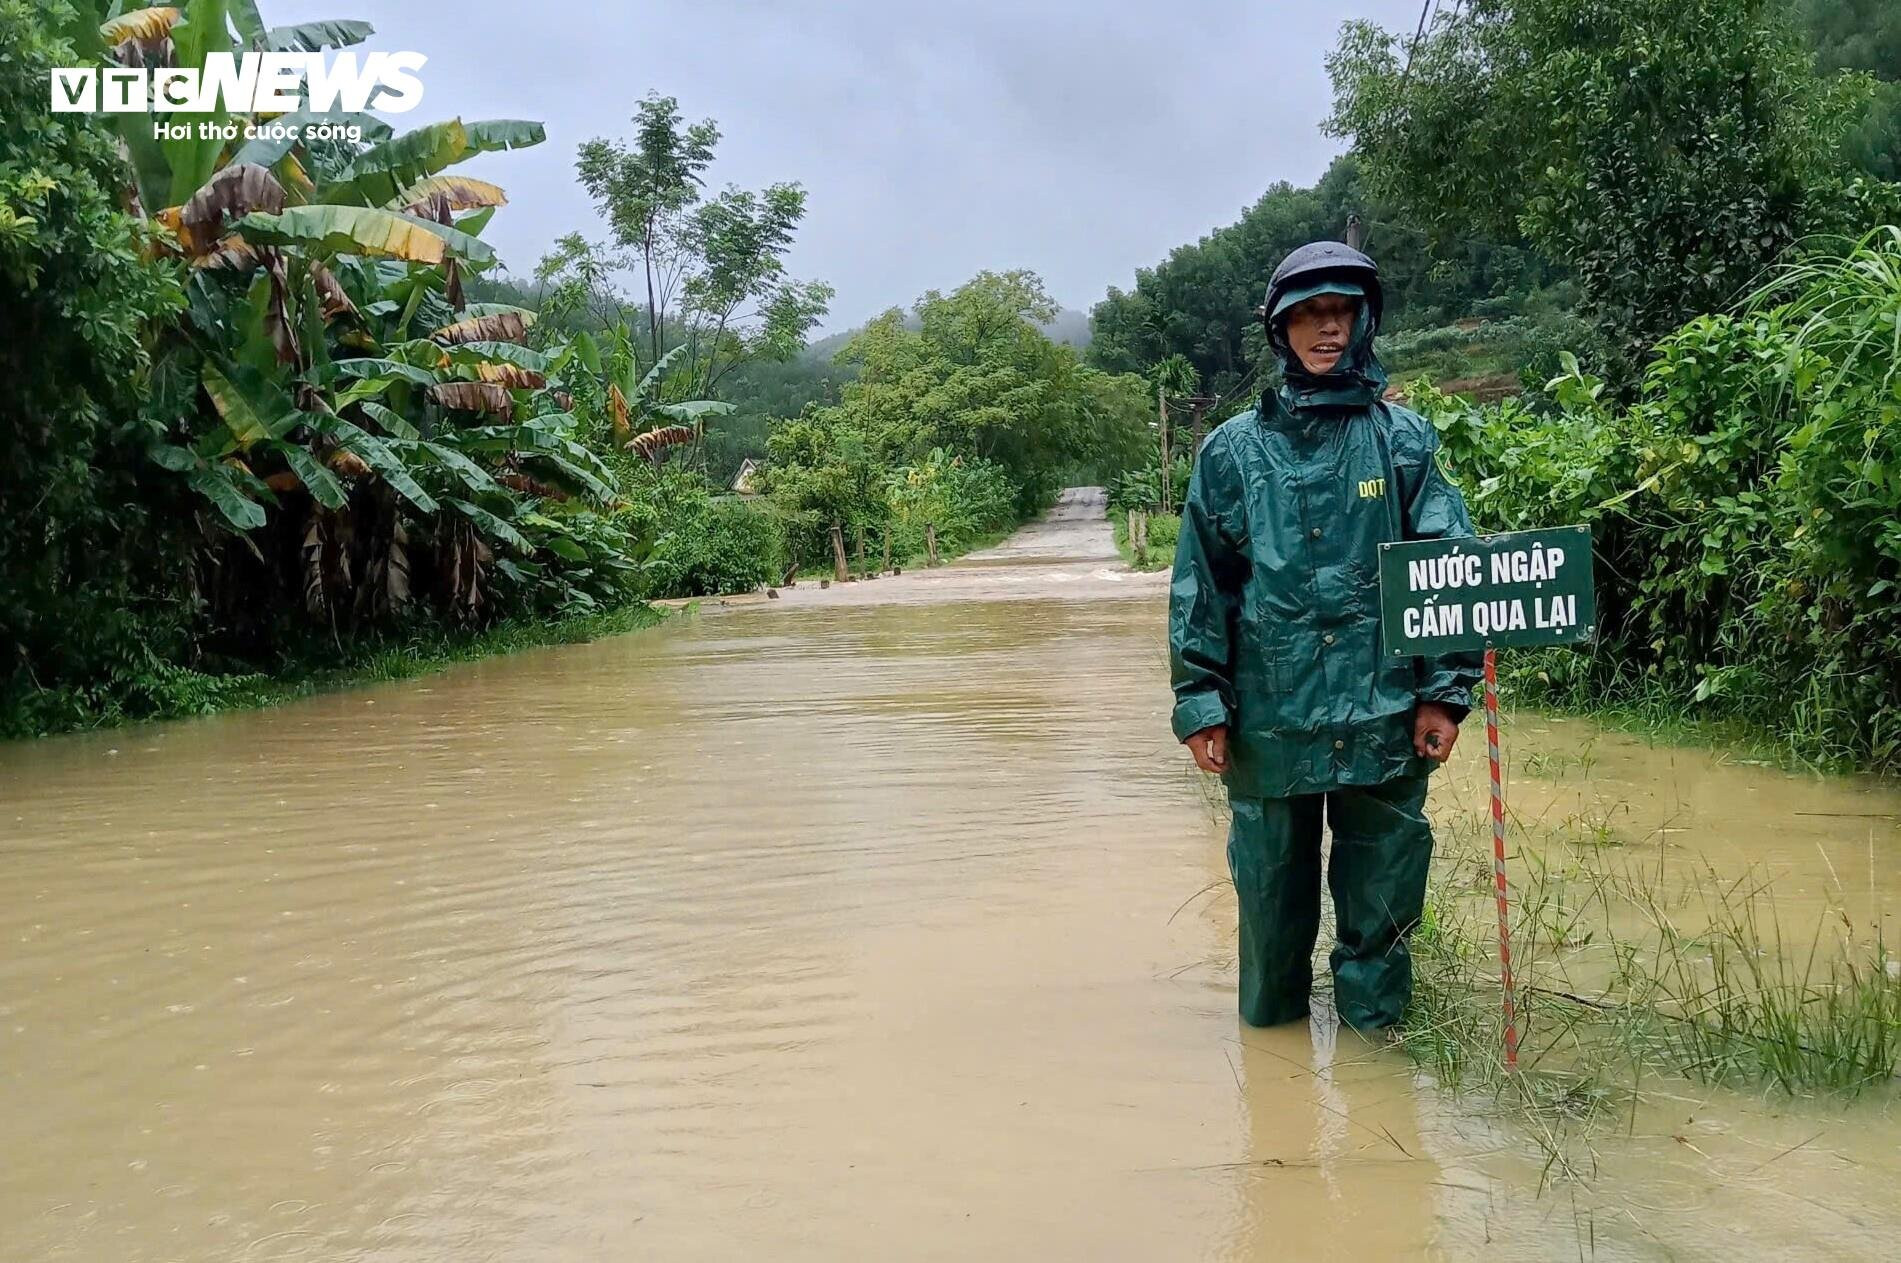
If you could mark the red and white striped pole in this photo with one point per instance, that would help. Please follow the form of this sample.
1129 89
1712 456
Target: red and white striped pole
1498 860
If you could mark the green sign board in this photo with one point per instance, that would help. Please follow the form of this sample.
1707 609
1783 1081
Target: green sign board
1519 588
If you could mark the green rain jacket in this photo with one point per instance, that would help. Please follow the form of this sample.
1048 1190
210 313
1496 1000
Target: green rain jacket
1274 605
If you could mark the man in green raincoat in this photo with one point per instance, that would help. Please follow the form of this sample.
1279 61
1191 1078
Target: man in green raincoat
1280 683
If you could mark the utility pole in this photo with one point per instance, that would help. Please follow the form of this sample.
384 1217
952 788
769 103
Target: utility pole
1168 463
1200 405
840 571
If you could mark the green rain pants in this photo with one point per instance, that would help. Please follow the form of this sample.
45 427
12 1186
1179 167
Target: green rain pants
1381 848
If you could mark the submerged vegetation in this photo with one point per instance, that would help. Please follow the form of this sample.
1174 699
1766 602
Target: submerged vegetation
1636 965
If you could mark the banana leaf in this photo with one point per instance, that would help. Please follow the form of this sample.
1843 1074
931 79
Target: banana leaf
267 152
252 408
379 174
450 193
215 484
468 353
471 475
370 367
501 326
588 349
493 526
329 229
248 21
493 135
476 311
394 423
142 26
693 410
201 30
312 37
475 222
576 472
323 485
385 462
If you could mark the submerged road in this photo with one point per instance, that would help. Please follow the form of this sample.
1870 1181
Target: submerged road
885 921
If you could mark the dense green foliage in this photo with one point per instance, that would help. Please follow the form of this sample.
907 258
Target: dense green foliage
276 417
1863 35
1747 509
762 393
85 545
708 545
967 418
1684 166
1141 488
1666 152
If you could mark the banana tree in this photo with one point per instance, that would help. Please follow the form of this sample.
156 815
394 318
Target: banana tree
335 407
350 420
643 422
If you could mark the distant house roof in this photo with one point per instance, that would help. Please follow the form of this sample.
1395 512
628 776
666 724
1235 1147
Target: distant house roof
743 480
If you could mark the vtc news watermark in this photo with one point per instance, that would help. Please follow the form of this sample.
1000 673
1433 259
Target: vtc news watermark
246 83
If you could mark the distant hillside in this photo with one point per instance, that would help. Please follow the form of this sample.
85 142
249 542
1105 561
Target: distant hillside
1070 328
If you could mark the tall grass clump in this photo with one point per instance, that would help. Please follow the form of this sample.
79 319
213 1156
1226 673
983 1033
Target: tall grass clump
1632 967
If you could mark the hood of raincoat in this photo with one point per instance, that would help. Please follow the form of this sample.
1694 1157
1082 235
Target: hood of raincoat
1357 379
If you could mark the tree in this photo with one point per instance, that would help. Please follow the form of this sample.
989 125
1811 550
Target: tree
974 380
645 191
713 270
1666 151
79 288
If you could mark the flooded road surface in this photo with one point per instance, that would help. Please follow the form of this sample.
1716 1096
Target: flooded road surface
882 922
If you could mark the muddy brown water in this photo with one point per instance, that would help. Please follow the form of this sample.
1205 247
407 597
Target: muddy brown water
882 922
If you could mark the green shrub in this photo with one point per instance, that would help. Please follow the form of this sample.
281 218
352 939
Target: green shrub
1142 488
1164 529
712 547
1746 511
966 499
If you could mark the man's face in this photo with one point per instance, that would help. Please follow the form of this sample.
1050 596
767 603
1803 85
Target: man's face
1320 328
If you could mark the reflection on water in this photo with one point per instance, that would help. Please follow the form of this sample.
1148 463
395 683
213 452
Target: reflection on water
815 931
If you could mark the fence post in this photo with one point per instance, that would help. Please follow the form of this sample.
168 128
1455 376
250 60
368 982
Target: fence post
840 570
930 544
887 549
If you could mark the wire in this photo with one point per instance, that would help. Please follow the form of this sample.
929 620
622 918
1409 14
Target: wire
1412 48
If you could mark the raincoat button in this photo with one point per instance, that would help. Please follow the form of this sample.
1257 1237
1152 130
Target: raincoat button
1315 532
1339 745
1328 638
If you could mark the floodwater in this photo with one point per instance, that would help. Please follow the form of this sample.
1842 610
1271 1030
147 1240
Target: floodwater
881 922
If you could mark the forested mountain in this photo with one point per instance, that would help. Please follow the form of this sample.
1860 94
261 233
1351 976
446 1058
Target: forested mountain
1200 301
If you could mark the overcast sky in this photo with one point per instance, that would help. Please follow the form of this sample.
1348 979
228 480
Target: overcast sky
1082 140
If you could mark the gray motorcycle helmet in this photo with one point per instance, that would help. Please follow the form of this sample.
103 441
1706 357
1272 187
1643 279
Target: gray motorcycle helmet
1323 267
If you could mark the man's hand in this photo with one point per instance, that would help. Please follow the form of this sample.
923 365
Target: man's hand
1210 748
1434 731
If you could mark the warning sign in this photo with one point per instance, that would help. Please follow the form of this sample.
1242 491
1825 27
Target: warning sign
1518 588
